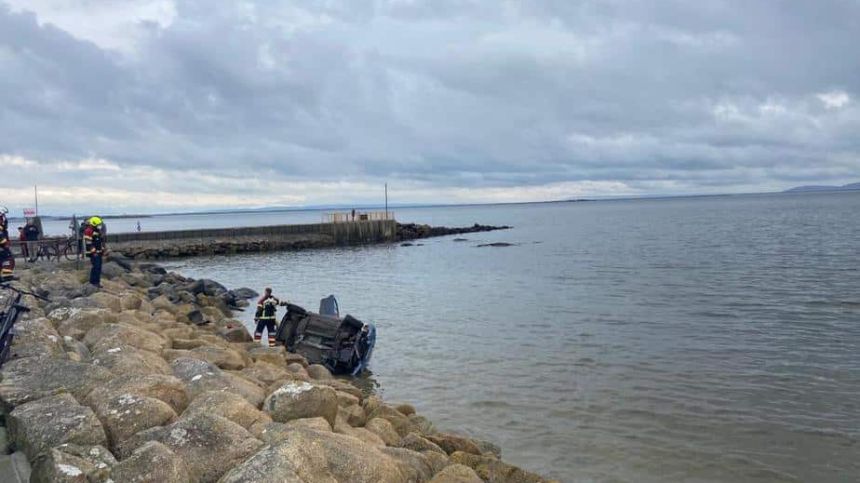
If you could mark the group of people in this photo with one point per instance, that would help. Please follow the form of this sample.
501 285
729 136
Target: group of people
28 235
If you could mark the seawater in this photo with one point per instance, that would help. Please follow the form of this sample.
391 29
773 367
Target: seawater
695 339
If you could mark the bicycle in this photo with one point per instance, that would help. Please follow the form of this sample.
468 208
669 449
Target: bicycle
9 313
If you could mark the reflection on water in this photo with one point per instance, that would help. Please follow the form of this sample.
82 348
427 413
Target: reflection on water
711 339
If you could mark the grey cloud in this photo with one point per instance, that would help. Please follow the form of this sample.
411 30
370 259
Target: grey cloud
450 94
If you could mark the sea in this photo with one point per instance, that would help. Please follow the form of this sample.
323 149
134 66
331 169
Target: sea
683 339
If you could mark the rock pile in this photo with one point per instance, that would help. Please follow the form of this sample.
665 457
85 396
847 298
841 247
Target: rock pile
151 380
412 231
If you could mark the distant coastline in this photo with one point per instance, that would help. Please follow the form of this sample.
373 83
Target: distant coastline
820 188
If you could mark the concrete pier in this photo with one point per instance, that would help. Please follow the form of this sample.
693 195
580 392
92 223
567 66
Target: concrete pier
183 243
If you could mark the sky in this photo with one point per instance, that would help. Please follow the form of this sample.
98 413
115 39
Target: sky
170 105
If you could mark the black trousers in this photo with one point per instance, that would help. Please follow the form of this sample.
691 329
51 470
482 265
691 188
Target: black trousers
269 325
96 270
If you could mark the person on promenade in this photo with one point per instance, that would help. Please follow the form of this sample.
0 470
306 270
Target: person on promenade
267 307
7 259
31 234
25 253
94 244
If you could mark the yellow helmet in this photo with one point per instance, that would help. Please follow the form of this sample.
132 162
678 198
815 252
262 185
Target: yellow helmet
95 221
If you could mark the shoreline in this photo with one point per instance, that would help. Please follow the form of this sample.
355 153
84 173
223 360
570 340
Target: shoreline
140 380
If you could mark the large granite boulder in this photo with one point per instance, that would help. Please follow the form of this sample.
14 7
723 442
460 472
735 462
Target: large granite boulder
266 373
167 389
457 474
108 336
416 442
319 372
228 405
36 338
25 380
489 468
151 463
451 443
299 399
129 361
76 323
209 445
383 429
220 356
42 424
73 463
413 465
317 456
123 414
201 376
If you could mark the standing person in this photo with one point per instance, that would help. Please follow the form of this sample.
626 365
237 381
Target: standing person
31 233
138 226
7 259
25 253
267 307
94 244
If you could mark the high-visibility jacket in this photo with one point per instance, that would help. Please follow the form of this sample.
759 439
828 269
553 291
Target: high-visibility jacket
267 307
93 242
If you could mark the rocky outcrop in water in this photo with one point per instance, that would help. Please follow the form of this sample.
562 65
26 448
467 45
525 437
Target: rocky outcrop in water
412 231
150 379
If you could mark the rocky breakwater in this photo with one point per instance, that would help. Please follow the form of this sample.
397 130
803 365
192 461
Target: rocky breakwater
150 379
190 247
413 231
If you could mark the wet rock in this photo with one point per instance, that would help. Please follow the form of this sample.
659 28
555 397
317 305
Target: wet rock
457 474
29 379
399 422
307 455
488 447
416 442
421 424
51 421
492 469
227 405
382 428
452 443
210 445
244 293
206 287
496 245
151 463
298 399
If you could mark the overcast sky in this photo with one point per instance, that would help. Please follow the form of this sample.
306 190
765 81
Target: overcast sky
155 105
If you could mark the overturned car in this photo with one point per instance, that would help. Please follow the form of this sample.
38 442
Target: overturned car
343 345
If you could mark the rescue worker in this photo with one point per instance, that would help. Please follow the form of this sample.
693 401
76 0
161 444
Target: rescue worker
7 259
265 316
95 248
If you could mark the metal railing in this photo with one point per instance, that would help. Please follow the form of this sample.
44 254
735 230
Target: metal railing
350 216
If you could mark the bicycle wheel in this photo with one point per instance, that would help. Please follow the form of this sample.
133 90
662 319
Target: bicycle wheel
69 252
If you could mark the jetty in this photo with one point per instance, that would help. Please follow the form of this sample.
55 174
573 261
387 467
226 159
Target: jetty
153 367
339 230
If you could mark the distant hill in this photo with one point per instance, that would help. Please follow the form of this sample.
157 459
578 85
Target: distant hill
847 187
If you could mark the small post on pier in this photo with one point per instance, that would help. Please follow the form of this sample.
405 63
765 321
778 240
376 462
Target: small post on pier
386 201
